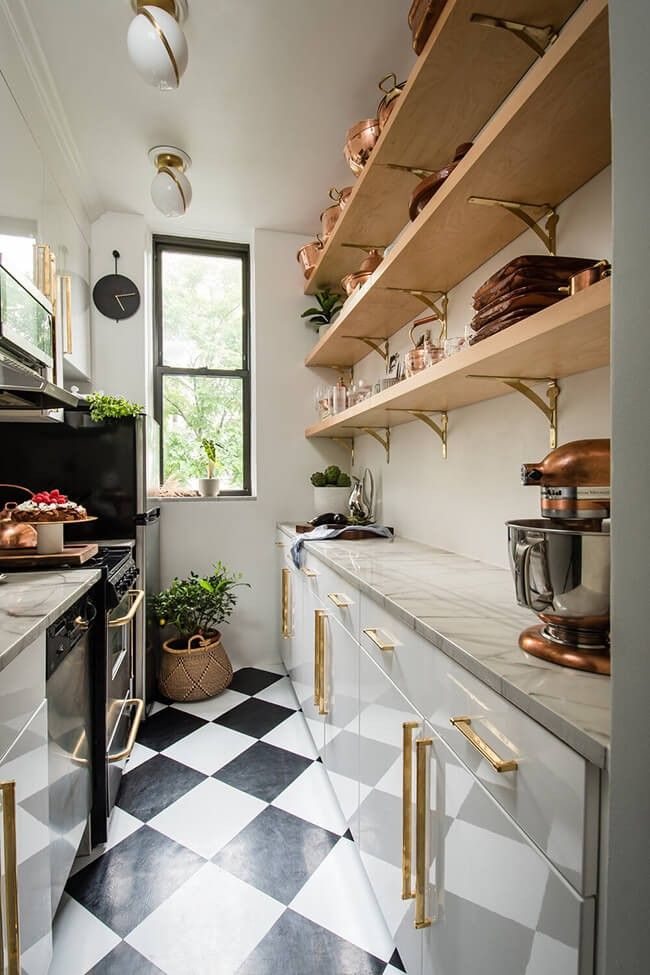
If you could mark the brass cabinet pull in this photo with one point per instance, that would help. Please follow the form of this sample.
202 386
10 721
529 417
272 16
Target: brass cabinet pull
407 800
464 725
138 595
279 544
372 634
319 660
66 287
309 573
286 596
339 599
421 758
10 898
133 734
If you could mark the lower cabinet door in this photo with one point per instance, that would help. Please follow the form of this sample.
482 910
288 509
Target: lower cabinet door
25 852
494 904
304 662
388 731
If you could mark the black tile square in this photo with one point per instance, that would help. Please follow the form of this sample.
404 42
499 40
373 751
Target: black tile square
297 946
132 879
254 717
154 785
250 680
396 961
276 853
263 770
164 728
125 960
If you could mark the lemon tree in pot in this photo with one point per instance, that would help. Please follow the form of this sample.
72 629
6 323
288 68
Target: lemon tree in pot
195 665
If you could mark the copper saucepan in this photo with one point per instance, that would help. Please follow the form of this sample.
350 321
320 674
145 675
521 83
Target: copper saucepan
308 255
392 90
357 278
330 215
14 534
433 180
359 143
584 279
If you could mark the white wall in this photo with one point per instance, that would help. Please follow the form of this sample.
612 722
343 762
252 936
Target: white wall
463 502
240 532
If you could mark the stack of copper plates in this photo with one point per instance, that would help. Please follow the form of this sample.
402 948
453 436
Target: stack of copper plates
524 286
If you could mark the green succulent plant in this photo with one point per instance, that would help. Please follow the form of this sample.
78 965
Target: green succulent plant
329 304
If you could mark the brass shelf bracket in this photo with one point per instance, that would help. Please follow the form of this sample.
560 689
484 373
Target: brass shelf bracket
414 170
547 234
439 429
437 301
537 39
378 345
346 371
365 247
347 443
383 440
548 408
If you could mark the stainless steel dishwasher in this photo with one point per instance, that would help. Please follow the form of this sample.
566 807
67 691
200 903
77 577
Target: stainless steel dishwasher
68 692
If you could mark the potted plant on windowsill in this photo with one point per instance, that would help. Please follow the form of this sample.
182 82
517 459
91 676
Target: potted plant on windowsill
209 486
195 665
331 491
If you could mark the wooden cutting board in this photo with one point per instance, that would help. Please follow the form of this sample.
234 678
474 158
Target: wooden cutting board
26 558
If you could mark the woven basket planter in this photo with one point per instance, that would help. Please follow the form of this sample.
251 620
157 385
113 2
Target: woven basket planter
196 670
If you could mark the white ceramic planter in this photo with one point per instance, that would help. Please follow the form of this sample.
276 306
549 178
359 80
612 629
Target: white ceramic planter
209 486
333 499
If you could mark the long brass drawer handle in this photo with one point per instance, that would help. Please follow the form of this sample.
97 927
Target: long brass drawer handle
10 897
319 660
339 599
133 734
421 758
286 590
464 725
138 595
407 800
309 573
279 544
372 634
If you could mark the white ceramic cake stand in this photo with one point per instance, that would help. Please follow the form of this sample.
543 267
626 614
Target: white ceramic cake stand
49 534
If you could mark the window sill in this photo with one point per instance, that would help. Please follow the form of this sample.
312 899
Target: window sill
220 498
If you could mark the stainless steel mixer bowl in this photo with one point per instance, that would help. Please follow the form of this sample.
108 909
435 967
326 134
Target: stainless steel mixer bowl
564 576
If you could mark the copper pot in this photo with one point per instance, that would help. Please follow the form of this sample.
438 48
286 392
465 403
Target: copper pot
308 256
357 278
14 534
389 101
584 279
432 181
341 196
330 215
359 143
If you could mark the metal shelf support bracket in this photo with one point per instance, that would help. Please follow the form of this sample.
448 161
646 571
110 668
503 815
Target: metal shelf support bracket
345 371
547 234
536 38
548 408
383 440
437 301
347 443
378 345
439 429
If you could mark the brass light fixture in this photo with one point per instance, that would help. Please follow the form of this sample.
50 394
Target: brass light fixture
171 190
156 42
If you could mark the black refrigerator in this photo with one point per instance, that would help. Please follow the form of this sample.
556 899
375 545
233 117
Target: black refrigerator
113 469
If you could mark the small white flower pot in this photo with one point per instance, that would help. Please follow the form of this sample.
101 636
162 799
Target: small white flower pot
333 499
209 486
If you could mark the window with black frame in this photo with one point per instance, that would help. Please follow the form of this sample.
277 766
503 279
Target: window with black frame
202 375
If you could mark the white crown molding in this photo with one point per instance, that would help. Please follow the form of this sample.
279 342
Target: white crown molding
46 92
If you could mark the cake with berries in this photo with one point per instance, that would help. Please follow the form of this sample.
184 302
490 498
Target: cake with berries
49 506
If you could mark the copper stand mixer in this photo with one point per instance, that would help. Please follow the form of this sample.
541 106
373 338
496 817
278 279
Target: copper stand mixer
561 562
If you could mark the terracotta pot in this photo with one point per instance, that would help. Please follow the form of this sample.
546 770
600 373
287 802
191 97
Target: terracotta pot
359 143
194 670
308 256
392 90
430 185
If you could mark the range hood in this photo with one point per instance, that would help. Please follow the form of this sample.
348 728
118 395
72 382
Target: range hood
24 391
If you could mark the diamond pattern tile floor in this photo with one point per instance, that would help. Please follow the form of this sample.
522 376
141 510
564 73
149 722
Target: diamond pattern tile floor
229 854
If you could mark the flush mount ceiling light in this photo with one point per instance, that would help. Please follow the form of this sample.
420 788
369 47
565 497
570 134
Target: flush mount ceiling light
171 191
156 43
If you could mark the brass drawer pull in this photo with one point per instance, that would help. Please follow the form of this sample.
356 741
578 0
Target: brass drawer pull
464 725
319 660
10 894
421 865
138 595
372 634
286 596
407 800
133 734
279 544
309 573
339 599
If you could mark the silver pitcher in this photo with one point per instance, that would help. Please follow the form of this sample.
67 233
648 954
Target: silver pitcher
361 502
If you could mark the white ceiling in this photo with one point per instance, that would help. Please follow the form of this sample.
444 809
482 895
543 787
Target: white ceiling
270 90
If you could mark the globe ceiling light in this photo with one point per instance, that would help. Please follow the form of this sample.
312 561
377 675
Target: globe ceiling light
171 191
156 43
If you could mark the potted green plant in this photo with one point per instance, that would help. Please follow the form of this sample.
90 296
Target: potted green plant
194 663
331 490
209 486
329 305
105 407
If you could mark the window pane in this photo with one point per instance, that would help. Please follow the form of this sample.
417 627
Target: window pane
202 310
195 407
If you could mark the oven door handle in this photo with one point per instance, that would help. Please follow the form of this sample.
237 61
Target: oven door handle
138 595
133 734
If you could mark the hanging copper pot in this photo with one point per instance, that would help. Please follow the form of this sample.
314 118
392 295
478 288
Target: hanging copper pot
308 255
14 534
392 90
340 196
432 181
359 143
330 215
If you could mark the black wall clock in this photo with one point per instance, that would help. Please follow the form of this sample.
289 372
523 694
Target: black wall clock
116 296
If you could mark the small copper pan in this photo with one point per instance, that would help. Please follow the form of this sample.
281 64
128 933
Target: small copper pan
340 196
359 143
392 90
308 255
584 279
432 181
357 278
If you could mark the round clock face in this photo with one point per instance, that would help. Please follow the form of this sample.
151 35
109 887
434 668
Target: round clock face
116 296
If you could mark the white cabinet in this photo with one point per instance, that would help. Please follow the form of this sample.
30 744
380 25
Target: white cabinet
25 860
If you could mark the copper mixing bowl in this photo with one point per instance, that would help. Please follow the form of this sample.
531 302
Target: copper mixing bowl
359 143
431 183
308 256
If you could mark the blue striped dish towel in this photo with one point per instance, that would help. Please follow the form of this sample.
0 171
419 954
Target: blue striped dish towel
324 532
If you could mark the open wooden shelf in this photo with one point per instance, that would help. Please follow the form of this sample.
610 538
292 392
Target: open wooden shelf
550 136
569 337
460 79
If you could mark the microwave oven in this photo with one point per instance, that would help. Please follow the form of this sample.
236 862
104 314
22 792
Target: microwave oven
26 321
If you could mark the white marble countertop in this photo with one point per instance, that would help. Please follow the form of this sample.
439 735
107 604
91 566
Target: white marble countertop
468 610
30 601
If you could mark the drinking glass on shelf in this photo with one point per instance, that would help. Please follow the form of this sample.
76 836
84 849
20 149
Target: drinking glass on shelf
321 400
454 345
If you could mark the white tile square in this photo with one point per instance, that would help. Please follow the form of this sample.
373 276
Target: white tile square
121 825
279 693
156 707
207 817
80 939
293 735
211 924
338 896
139 756
209 748
214 707
311 797
273 667
391 781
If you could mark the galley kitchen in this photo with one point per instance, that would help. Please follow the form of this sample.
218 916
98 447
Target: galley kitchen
323 453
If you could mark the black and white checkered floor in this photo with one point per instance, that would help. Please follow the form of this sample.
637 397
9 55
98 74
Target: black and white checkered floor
227 853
